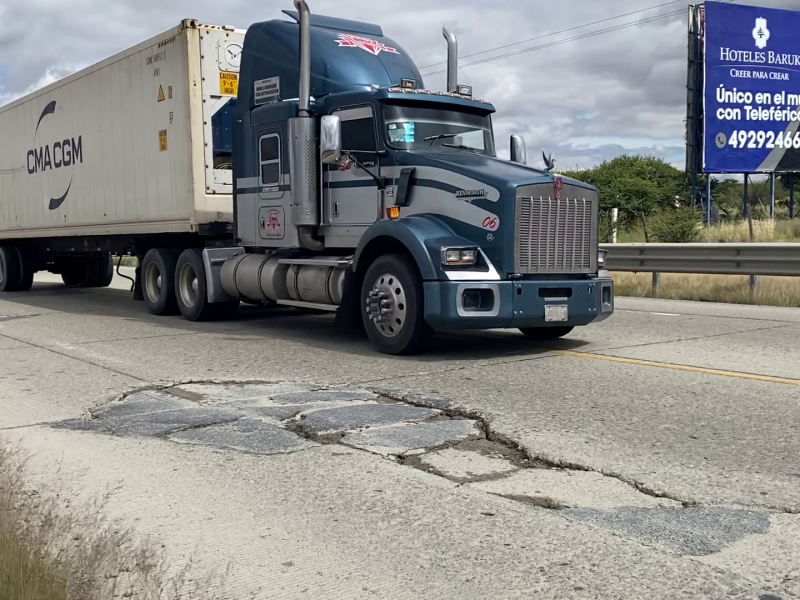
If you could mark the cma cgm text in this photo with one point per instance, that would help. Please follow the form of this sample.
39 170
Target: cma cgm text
59 154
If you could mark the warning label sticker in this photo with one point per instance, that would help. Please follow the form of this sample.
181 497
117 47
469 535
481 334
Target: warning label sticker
228 84
267 90
162 140
160 93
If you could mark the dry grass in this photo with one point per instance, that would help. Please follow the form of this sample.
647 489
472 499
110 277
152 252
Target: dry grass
738 231
763 231
54 549
735 289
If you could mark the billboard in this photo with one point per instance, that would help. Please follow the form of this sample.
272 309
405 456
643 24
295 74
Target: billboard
751 93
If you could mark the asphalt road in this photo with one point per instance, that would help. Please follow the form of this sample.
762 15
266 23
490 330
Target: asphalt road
654 455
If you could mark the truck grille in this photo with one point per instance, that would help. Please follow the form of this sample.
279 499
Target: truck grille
556 236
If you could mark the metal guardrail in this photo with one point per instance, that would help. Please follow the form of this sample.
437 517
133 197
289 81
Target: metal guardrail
778 259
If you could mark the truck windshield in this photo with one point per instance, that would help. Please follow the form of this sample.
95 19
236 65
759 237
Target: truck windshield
414 127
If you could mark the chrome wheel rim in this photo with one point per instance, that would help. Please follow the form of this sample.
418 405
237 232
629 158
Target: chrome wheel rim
152 282
386 305
188 285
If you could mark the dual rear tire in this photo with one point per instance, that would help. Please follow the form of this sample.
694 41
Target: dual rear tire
92 272
175 283
16 270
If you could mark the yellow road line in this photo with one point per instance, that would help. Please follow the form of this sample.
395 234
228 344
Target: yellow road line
676 367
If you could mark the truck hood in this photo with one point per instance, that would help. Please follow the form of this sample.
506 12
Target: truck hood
492 171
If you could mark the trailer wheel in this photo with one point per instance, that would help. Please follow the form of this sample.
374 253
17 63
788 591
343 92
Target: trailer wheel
191 290
10 269
80 272
158 281
392 305
27 272
545 333
105 271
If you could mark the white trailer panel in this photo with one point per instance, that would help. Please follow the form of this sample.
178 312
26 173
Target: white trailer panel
125 146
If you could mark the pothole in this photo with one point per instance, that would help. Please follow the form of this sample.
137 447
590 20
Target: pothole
424 433
429 434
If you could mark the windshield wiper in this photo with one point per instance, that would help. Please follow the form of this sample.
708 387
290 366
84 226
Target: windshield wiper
463 147
438 137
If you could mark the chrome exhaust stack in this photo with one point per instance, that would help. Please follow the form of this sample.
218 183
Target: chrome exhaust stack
303 169
305 57
452 59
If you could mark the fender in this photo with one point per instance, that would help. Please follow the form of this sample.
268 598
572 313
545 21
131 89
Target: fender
423 235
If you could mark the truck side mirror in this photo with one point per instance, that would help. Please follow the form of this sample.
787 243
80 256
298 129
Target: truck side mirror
330 139
518 152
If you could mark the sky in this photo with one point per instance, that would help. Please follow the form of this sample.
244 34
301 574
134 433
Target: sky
583 101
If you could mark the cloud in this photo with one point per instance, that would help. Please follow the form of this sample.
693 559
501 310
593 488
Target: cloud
584 100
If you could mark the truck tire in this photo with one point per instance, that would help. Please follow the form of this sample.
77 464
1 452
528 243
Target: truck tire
546 333
80 272
10 269
158 281
191 291
393 284
100 271
27 271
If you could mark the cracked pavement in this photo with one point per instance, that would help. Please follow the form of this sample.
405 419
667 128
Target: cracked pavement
653 455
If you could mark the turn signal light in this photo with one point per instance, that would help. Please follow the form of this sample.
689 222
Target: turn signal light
393 212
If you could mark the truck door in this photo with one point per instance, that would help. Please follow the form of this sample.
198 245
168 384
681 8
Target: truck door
352 197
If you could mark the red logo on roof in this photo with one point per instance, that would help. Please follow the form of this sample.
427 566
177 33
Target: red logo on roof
372 46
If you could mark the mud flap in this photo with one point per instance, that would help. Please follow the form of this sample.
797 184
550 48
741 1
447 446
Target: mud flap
348 315
138 293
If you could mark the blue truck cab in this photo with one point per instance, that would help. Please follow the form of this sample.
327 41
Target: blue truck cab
359 191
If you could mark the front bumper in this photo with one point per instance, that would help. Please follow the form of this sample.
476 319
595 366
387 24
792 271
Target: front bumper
453 305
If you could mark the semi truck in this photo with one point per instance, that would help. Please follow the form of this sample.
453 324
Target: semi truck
302 163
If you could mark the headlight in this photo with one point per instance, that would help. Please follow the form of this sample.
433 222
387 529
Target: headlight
459 257
601 258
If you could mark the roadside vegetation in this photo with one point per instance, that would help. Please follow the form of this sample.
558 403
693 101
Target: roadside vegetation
653 203
771 291
54 549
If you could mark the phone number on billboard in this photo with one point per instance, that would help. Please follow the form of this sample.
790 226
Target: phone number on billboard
759 139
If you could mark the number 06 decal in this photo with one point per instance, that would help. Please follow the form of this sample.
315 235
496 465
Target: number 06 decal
490 223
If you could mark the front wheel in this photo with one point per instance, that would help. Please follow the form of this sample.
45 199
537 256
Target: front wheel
392 305
546 333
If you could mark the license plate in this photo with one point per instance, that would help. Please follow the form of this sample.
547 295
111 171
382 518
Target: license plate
554 313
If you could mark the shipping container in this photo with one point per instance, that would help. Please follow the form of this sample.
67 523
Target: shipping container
138 144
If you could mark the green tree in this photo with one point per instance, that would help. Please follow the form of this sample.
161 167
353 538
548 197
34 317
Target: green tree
635 184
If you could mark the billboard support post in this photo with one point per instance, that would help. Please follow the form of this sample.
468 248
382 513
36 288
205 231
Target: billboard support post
791 195
772 197
694 93
745 199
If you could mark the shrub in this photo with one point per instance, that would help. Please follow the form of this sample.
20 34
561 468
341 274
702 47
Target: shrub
680 225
